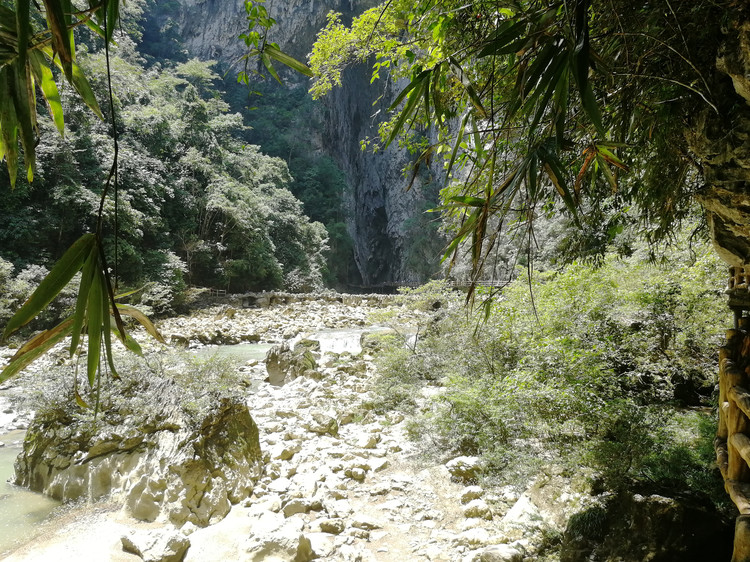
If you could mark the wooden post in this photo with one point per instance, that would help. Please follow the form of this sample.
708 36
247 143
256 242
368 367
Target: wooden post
741 539
737 422
724 359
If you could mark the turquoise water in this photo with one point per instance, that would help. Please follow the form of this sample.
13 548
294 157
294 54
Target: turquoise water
20 510
241 351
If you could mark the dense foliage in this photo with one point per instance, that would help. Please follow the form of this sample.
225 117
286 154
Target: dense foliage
607 367
196 204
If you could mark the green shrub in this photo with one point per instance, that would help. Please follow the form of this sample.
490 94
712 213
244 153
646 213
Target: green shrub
585 366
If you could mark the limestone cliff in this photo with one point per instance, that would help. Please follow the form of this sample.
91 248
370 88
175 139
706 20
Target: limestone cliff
377 202
721 140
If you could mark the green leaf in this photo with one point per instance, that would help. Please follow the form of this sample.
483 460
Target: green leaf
291 62
8 124
80 401
136 314
552 82
269 66
533 174
555 171
53 283
409 109
505 39
56 21
113 9
468 87
45 79
34 348
468 200
95 321
416 81
87 276
81 85
19 87
607 172
592 110
106 331
456 144
79 82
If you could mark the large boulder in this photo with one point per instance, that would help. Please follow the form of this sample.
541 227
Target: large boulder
160 449
285 363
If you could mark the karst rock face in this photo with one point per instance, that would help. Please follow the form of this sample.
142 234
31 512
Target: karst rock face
721 140
378 204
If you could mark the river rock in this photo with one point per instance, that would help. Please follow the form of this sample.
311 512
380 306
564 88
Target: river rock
164 460
498 553
156 545
464 468
275 538
285 364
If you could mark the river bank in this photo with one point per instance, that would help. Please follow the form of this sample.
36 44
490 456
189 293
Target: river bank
339 481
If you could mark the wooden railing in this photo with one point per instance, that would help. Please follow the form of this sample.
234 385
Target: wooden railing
732 443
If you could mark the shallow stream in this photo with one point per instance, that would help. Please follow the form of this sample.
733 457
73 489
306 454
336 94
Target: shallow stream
21 511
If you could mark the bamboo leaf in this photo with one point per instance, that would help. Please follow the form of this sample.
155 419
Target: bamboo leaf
45 79
468 87
410 108
8 124
79 82
528 80
19 87
552 80
610 157
269 66
416 81
561 107
607 172
87 276
533 174
289 61
589 154
95 321
505 38
60 37
34 348
592 110
113 9
106 331
136 314
468 201
456 144
80 401
53 283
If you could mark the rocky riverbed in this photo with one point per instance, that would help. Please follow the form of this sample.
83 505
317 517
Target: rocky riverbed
337 481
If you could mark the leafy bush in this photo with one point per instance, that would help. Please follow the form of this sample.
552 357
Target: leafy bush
586 365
